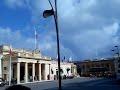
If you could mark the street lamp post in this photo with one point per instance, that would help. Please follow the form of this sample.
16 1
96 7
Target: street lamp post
46 14
117 52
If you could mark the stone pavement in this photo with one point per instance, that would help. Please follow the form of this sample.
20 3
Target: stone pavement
76 83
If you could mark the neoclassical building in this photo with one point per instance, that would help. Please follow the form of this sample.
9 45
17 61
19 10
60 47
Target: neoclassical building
104 67
29 66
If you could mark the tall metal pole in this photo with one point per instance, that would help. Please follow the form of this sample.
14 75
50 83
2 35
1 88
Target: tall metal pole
10 71
57 34
58 48
117 51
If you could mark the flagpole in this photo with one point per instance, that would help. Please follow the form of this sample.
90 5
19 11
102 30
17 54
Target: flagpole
35 40
10 68
97 53
36 36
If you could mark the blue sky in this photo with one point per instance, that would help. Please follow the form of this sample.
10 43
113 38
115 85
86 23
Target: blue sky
88 28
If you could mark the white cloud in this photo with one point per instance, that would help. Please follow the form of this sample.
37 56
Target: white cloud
84 25
16 3
7 35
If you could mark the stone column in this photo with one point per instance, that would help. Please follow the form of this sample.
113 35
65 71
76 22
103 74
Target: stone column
26 72
39 72
45 74
33 71
49 72
18 73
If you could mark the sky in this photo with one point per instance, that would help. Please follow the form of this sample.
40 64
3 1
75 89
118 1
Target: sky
88 29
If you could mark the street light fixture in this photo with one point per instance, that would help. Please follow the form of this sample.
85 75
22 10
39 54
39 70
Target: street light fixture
112 50
117 52
46 14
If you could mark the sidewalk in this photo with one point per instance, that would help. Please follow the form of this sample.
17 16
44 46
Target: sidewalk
2 88
37 81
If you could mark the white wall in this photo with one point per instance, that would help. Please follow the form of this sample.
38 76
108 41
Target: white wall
63 66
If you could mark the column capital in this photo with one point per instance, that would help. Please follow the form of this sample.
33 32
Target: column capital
17 62
48 63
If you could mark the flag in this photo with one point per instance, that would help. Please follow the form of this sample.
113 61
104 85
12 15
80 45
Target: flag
70 59
48 13
36 35
64 57
57 58
10 50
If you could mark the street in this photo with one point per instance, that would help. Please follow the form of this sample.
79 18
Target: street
76 83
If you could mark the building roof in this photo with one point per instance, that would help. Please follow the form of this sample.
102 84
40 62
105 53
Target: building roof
22 53
95 60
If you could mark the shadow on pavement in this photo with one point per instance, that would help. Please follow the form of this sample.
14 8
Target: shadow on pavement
17 87
90 85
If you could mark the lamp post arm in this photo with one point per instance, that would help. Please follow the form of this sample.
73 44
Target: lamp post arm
50 4
55 11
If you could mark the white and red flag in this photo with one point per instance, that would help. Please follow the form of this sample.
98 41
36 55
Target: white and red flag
57 58
10 50
70 59
36 35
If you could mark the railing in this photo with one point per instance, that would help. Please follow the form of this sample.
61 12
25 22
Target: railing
6 48
31 56
24 53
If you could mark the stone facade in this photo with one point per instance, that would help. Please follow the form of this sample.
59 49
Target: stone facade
30 66
96 67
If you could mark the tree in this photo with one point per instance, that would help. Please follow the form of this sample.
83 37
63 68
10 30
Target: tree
61 71
68 69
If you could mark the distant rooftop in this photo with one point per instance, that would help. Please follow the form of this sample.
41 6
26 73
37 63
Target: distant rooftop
92 60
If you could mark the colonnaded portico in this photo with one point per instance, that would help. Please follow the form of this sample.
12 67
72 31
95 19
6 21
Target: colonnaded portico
28 72
30 66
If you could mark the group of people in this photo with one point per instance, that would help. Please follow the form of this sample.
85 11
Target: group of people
31 78
63 77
